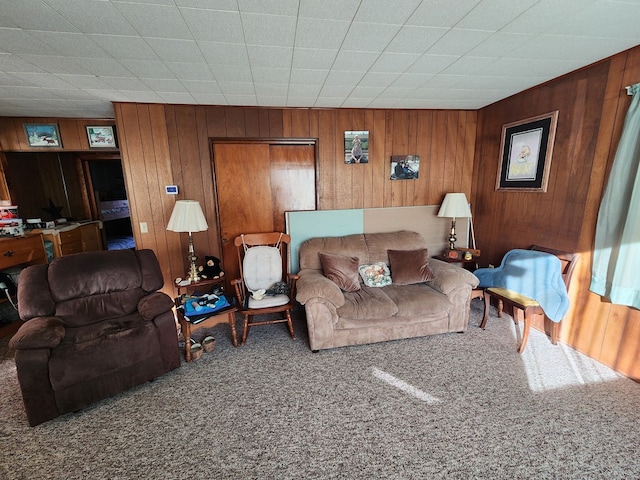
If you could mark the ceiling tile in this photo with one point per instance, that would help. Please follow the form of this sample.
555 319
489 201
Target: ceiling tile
395 62
313 58
441 13
124 83
369 37
270 75
412 39
378 79
270 7
232 73
237 88
22 63
177 98
209 98
351 60
199 86
468 65
102 66
458 41
85 81
163 85
71 44
21 42
190 71
148 69
43 80
160 21
268 56
31 15
308 77
304 90
125 47
83 14
269 29
383 11
432 64
217 53
56 64
495 14
271 89
319 33
214 25
329 9
171 50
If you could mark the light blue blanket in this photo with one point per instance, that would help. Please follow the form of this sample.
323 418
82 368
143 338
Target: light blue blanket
537 275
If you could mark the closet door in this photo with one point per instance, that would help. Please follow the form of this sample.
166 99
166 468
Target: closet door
256 183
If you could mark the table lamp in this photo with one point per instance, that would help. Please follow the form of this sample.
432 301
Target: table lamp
454 205
187 216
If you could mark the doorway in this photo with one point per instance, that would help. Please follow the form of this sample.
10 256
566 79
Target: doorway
256 182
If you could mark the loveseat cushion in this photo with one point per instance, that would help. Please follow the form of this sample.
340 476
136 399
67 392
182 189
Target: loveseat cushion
410 266
417 299
368 302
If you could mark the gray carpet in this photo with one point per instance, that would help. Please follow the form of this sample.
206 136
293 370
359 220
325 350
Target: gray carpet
447 406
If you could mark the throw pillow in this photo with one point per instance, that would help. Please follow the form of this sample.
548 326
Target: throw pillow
341 270
375 275
410 266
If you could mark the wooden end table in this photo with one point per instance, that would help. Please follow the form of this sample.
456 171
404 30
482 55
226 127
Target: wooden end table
225 315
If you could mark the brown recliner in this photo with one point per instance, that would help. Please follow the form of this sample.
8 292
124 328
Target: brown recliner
95 325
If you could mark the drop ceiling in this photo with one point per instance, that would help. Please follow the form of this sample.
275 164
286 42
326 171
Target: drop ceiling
72 58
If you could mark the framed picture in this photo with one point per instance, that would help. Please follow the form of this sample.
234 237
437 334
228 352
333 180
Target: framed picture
356 146
525 153
42 135
101 136
405 167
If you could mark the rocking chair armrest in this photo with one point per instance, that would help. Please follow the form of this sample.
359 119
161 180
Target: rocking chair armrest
238 286
291 280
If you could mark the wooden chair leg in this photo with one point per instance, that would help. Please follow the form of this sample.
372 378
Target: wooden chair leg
290 324
487 302
525 330
245 330
500 308
554 332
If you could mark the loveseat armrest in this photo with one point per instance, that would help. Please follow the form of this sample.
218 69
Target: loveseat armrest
448 276
39 332
313 284
154 304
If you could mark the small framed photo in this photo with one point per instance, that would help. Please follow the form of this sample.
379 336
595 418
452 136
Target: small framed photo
101 136
356 146
525 153
405 167
42 134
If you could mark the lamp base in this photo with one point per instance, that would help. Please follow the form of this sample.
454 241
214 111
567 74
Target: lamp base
452 235
193 275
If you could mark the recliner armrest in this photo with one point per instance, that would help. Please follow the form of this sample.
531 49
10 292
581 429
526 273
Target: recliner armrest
39 332
154 304
313 284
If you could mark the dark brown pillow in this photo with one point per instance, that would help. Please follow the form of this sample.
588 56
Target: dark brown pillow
341 270
410 266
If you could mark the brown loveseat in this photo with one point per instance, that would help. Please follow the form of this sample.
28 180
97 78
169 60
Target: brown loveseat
95 325
426 296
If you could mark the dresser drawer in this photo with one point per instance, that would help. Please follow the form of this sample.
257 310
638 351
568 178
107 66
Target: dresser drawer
19 250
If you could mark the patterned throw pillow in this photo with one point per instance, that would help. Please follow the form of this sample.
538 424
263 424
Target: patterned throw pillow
375 275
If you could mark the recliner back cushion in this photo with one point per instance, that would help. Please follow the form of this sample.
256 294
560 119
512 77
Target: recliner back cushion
90 287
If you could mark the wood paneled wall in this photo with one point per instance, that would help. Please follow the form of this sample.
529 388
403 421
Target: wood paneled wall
592 104
165 144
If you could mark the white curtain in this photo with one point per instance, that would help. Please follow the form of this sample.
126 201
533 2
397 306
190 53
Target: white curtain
616 257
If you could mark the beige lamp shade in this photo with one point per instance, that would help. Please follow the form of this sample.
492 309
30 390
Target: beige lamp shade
455 205
187 216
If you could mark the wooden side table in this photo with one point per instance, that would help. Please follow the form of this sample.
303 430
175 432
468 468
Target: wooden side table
225 315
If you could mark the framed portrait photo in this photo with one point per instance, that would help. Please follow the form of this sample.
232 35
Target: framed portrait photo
525 153
42 134
356 146
101 136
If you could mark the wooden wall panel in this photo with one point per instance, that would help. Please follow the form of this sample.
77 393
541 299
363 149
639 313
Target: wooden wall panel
592 104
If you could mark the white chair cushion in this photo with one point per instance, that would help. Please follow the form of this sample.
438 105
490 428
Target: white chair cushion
262 267
268 301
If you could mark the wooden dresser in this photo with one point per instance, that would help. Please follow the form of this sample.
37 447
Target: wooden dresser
75 238
22 251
